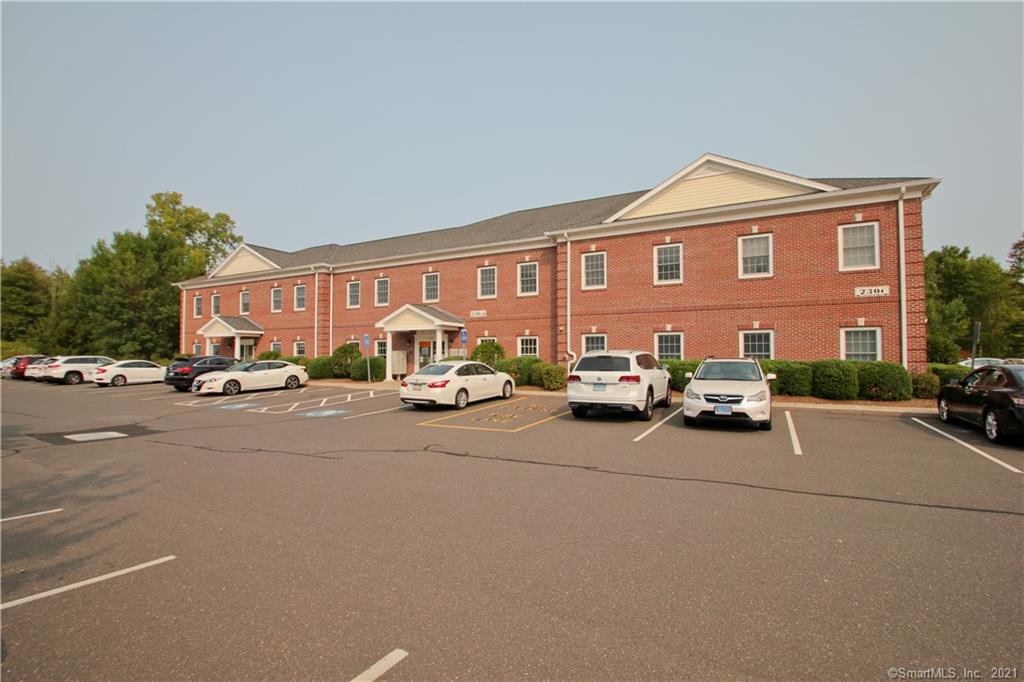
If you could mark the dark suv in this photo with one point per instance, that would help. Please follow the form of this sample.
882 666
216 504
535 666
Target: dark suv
183 371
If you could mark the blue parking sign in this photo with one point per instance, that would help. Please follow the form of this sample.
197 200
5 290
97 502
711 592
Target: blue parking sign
464 336
366 340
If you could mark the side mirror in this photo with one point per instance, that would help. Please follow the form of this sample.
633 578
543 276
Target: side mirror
770 376
688 375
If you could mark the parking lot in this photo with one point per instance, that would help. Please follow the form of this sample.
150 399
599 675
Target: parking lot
332 533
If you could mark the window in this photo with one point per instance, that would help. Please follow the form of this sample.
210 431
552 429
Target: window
299 299
861 344
197 306
214 349
300 348
757 344
431 287
215 304
485 339
243 304
755 255
275 346
668 346
487 282
382 347
383 286
529 345
594 275
527 280
353 295
197 348
668 264
858 246
276 299
595 342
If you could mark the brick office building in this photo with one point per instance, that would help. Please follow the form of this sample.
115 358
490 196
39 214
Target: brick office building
723 258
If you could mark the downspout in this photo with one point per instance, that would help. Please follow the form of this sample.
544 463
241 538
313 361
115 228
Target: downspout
903 278
568 301
181 348
316 312
330 315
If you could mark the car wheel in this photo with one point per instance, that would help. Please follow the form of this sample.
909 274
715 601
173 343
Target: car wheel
690 421
73 378
506 390
648 412
183 389
668 397
119 380
944 416
461 399
765 426
232 387
580 412
992 430
291 382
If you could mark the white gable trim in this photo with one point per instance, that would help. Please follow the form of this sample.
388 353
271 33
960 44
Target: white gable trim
211 328
729 163
238 249
408 307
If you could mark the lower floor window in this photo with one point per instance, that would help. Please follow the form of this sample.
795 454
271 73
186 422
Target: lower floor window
382 348
862 344
197 348
275 346
300 348
214 349
594 342
486 339
529 345
670 346
757 345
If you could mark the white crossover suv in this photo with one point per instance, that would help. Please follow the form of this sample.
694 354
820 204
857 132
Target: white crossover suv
630 380
733 390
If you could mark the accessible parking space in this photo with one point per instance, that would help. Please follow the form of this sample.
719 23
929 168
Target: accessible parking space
512 416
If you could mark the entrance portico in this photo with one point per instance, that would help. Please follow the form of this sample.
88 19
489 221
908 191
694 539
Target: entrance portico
425 329
242 330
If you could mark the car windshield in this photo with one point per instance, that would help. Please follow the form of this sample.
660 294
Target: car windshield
434 370
729 371
240 367
1018 373
602 363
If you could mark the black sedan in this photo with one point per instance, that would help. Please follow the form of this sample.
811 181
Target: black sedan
991 397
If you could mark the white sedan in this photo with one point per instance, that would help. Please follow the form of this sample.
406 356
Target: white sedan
455 383
126 372
251 376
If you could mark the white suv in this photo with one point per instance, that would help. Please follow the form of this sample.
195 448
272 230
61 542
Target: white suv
71 369
733 390
629 380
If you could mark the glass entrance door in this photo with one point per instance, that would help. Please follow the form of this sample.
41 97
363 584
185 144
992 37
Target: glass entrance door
245 348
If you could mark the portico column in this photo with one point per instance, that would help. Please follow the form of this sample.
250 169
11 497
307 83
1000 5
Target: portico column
388 369
437 347
238 346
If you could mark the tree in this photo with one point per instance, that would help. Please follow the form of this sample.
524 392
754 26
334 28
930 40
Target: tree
1016 260
24 298
209 239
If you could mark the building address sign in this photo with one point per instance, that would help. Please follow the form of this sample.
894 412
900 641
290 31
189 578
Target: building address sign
864 292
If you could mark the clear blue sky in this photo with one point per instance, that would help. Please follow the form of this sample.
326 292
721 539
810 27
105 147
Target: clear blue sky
320 123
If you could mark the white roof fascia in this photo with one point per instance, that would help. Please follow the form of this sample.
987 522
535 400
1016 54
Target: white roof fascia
227 259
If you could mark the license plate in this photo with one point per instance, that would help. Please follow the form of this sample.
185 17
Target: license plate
417 387
723 409
600 387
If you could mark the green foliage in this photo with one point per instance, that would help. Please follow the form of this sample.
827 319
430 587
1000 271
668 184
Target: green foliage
792 378
883 381
25 298
947 372
206 239
321 368
519 368
488 352
926 385
834 379
269 355
677 369
11 348
294 359
377 366
452 358
551 377
303 360
344 355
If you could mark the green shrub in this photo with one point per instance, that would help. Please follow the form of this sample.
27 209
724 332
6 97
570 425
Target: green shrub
504 366
926 385
553 377
883 381
294 359
344 356
792 378
488 352
303 360
535 372
834 379
677 369
947 372
11 348
519 368
321 368
269 355
452 358
377 366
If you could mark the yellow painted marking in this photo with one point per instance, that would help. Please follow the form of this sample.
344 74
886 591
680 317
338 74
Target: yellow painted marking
431 422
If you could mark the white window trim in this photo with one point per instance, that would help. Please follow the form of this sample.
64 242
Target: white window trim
583 342
771 341
682 344
842 255
197 349
279 346
519 346
431 274
519 279
376 347
295 297
281 308
583 270
771 255
479 281
197 299
240 295
376 297
352 342
662 282
842 340
481 339
348 295
295 349
215 309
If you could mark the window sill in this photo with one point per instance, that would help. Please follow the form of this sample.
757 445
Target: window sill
521 295
668 282
867 268
603 286
767 275
486 298
298 310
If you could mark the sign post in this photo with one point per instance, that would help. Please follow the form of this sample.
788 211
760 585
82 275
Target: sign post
366 345
975 342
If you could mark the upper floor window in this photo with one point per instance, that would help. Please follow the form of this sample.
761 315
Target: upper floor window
215 304
861 343
528 284
858 246
243 303
276 299
595 274
758 344
668 345
353 295
431 287
594 342
487 282
197 306
755 252
668 264
383 286
299 298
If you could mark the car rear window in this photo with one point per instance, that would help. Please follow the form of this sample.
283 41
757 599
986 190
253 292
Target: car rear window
434 370
602 363
181 362
729 371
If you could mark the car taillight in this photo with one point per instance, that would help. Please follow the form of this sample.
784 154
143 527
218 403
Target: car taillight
438 384
629 379
404 383
55 366
573 377
184 370
101 371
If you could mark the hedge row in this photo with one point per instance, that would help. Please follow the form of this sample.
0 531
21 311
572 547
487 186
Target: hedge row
530 371
947 372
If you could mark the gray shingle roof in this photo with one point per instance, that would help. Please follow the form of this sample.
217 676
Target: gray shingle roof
853 183
242 324
434 311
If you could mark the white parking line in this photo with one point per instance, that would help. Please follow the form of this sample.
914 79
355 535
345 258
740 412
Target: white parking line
83 583
209 400
25 516
792 435
345 398
380 667
969 446
370 414
645 433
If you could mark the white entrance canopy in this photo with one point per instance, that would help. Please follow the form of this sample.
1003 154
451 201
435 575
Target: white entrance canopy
240 328
416 317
